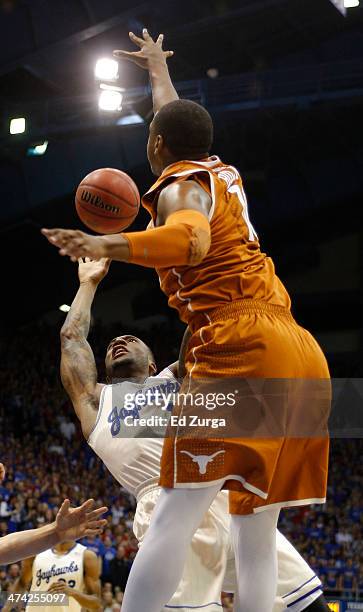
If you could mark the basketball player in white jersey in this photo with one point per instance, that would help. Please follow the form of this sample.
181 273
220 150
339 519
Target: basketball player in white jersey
135 462
70 524
68 568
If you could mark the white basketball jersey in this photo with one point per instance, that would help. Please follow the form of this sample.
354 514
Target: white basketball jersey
50 567
133 461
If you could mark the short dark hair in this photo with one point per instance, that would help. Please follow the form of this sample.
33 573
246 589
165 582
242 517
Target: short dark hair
186 127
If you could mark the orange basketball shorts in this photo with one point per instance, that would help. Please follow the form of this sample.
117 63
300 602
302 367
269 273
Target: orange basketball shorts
273 448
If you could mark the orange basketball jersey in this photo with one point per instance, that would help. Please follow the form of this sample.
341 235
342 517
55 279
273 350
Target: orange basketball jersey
234 268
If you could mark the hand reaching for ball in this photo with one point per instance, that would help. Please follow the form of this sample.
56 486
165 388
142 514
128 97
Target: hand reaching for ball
92 271
75 244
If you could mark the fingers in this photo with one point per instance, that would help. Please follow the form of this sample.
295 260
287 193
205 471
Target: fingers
92 532
159 40
168 53
96 524
57 587
87 506
71 243
146 35
64 507
120 54
135 39
91 516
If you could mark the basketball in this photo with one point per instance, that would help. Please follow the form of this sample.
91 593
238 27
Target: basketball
107 200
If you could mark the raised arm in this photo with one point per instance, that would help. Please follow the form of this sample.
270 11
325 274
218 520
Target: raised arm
151 57
78 367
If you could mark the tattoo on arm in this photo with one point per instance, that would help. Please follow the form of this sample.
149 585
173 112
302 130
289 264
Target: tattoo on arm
78 366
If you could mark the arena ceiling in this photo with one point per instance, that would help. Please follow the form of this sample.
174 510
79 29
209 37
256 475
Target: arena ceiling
47 55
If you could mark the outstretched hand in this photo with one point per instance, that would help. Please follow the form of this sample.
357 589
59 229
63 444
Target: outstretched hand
75 243
75 523
90 270
150 50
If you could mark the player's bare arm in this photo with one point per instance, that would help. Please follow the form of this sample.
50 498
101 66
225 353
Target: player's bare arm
78 366
70 524
182 235
153 58
91 600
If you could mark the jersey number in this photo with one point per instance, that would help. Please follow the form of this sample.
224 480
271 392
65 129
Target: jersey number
242 198
71 583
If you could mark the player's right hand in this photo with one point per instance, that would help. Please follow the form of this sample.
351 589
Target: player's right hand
2 472
75 523
150 51
92 270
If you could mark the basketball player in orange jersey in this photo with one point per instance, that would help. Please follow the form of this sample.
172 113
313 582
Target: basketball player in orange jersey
210 265
70 524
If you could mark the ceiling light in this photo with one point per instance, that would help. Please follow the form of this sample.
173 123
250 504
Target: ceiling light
351 3
38 149
130 119
213 73
110 100
106 69
17 126
64 308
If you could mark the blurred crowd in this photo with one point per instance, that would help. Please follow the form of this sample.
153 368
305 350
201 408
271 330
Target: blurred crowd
47 461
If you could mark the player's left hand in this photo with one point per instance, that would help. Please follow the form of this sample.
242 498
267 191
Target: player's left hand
75 523
2 472
75 243
60 587
94 271
150 51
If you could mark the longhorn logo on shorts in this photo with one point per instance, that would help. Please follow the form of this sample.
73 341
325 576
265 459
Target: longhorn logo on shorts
202 460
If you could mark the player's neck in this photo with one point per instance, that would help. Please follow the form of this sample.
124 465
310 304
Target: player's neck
123 373
170 161
64 547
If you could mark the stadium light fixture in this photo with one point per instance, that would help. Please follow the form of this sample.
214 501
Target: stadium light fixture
110 100
17 125
343 5
64 308
106 69
38 149
132 119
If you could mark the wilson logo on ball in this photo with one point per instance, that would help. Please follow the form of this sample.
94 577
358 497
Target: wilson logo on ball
95 200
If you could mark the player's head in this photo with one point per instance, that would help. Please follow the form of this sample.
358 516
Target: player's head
129 357
180 130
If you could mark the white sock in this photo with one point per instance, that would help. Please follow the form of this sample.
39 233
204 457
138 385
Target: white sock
254 543
159 564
